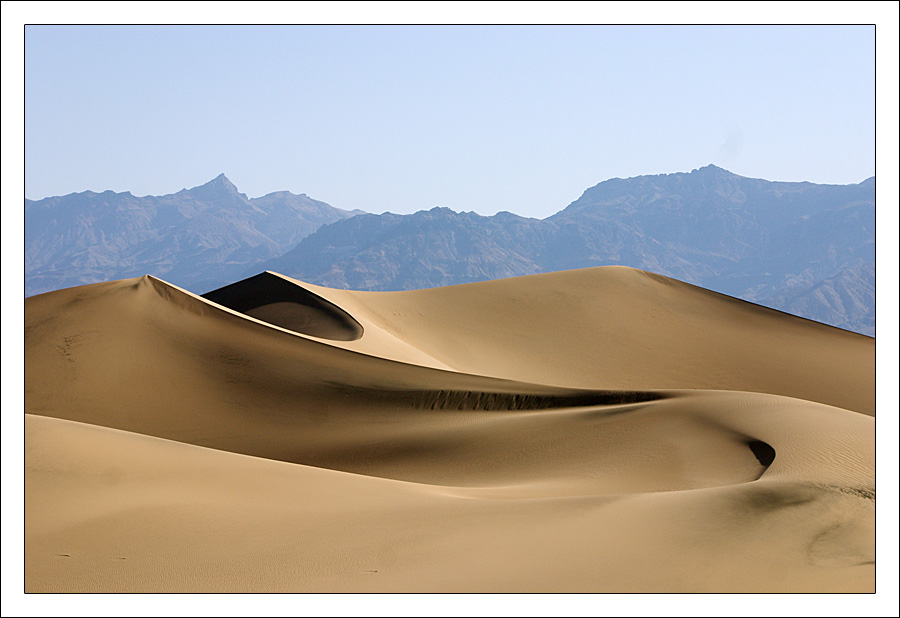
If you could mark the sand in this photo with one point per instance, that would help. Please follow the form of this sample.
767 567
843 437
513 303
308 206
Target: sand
598 430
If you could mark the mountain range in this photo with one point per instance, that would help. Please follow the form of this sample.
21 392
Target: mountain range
198 238
803 248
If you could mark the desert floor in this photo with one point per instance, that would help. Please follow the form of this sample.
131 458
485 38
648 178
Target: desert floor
597 430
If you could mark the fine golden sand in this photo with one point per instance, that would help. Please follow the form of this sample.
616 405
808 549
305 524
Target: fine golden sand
597 430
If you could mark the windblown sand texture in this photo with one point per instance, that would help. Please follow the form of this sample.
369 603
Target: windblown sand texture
598 430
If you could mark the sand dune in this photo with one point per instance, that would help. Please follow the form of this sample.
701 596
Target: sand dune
602 430
616 327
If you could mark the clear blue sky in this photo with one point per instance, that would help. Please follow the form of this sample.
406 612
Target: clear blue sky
404 118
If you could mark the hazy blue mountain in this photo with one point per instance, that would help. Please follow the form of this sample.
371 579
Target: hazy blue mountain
198 238
799 247
426 249
846 299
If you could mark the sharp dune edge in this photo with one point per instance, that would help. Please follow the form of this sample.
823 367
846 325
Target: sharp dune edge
599 430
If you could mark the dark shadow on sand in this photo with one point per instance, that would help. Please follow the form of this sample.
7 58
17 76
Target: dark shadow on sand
277 301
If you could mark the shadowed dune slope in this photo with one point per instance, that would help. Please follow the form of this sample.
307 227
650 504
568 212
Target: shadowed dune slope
276 301
441 441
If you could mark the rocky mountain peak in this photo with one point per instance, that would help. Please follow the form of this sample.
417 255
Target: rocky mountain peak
216 189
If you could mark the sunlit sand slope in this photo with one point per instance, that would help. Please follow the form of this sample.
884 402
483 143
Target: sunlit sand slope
472 438
617 327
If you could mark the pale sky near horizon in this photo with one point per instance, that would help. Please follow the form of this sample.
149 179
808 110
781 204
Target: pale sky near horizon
405 118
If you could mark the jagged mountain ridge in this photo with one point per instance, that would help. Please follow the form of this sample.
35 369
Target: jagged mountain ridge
798 247
197 238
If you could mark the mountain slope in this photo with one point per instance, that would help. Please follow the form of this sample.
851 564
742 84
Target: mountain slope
423 250
794 246
198 238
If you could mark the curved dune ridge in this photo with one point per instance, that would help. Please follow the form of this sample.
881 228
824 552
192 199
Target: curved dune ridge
601 430
275 300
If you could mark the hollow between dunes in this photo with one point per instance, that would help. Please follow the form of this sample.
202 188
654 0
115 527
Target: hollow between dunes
592 450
